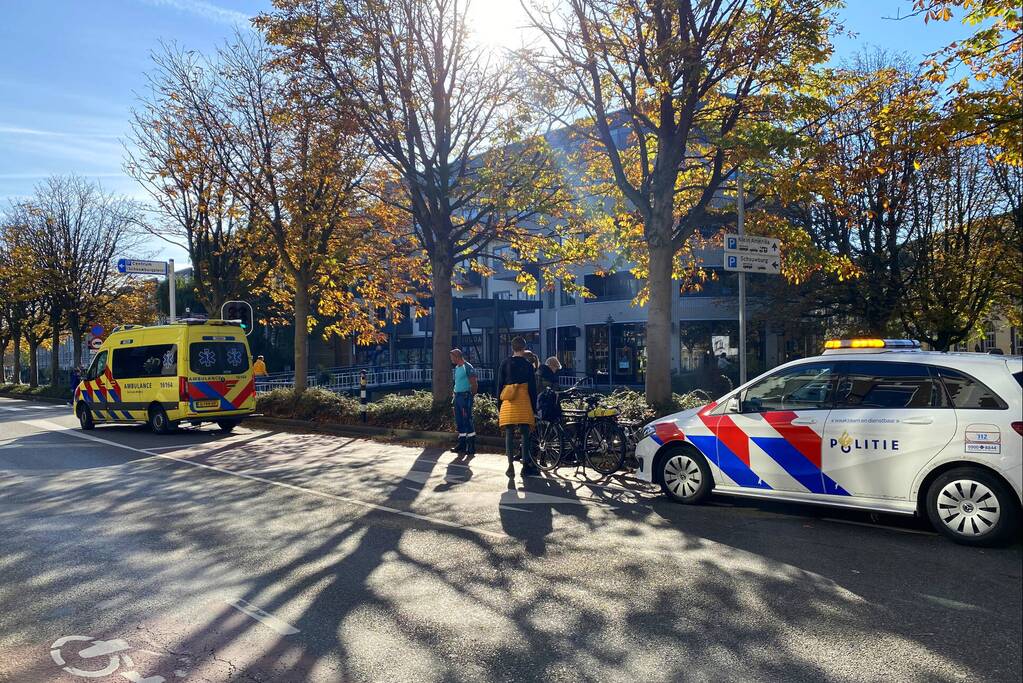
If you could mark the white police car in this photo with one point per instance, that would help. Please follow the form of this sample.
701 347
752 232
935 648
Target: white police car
871 424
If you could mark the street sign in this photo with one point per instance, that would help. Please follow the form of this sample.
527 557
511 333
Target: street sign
749 263
95 343
97 330
751 244
240 311
137 267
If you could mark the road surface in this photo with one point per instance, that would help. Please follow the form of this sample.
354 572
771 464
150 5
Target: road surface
272 556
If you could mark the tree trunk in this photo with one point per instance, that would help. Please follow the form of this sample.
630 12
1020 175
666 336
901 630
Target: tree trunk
443 315
74 323
33 364
55 353
17 358
301 335
658 327
3 368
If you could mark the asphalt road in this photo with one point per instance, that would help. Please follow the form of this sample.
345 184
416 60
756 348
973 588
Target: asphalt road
271 556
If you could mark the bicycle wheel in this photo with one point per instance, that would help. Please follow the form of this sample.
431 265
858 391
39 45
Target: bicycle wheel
550 445
605 447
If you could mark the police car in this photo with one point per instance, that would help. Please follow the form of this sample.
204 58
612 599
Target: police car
873 424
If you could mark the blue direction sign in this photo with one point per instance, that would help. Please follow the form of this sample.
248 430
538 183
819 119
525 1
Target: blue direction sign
138 267
97 330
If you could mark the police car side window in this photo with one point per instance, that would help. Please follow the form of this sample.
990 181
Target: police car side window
805 387
885 385
966 393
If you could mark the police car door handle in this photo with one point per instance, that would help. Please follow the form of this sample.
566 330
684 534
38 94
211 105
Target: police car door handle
804 421
921 420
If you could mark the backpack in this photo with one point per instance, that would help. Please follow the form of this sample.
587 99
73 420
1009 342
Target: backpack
548 405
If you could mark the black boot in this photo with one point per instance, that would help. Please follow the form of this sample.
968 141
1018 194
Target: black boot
460 446
470 445
510 472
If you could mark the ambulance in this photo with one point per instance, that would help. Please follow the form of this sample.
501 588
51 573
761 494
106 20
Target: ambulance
192 371
872 424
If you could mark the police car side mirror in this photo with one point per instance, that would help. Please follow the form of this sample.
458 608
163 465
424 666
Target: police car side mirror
733 405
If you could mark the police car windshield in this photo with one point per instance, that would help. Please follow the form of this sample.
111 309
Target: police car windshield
218 358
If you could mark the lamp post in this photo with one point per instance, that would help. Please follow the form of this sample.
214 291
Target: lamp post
610 358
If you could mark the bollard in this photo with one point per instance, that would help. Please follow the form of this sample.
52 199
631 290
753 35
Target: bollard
362 394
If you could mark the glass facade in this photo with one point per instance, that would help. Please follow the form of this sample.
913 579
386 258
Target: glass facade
626 353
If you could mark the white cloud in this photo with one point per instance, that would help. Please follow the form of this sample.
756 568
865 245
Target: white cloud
203 9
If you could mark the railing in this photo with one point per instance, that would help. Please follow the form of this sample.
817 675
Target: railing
350 379
570 381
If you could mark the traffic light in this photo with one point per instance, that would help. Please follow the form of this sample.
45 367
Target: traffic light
240 311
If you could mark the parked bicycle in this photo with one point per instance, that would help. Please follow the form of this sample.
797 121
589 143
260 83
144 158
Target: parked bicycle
589 436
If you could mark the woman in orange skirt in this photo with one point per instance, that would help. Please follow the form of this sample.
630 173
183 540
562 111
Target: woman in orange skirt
516 396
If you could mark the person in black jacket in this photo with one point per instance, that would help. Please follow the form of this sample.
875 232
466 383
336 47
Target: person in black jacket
516 400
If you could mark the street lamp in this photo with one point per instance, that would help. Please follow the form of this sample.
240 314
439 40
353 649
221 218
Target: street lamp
610 359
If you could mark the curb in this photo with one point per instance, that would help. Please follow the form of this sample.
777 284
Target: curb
441 438
41 399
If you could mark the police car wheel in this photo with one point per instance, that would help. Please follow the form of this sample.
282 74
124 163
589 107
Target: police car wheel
972 506
159 423
685 477
85 418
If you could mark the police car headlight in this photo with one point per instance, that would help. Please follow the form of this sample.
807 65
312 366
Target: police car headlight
649 431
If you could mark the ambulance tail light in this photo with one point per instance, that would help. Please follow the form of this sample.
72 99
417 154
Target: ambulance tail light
183 389
1018 426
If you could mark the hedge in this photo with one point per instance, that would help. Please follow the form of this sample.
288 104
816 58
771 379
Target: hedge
415 410
41 390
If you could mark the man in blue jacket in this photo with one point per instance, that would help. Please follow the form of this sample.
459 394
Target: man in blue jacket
466 386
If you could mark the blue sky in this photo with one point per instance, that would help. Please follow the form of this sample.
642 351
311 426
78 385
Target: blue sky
70 71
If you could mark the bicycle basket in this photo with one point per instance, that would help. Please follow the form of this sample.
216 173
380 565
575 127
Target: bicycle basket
602 412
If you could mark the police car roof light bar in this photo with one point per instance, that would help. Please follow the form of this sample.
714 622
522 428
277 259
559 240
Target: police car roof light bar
871 344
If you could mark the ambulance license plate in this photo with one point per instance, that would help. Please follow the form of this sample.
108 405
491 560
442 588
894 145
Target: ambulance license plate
206 405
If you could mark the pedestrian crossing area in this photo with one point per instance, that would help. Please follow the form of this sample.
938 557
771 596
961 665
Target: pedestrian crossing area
32 408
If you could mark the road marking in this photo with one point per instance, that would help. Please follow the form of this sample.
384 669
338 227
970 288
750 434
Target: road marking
279 625
954 604
70 431
512 507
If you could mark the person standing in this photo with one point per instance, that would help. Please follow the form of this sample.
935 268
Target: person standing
466 386
516 396
259 367
549 373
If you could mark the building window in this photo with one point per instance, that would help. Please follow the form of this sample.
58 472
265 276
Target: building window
566 298
501 295
612 287
988 342
719 282
1015 341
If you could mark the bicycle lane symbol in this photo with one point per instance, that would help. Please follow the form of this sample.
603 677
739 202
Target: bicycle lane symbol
114 652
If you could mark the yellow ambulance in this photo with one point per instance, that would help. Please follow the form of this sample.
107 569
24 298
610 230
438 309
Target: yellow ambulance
191 371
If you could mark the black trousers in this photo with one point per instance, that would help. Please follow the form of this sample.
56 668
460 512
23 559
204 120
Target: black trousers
509 442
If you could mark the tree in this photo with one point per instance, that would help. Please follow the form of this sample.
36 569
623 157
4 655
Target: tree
76 231
957 250
443 117
985 94
295 160
700 88
175 159
860 186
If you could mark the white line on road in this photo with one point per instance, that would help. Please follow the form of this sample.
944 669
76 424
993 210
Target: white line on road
245 607
54 427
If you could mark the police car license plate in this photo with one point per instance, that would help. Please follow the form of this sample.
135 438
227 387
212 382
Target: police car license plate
201 405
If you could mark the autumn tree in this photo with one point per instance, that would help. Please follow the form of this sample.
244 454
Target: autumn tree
699 88
294 160
957 248
175 158
982 73
76 232
443 116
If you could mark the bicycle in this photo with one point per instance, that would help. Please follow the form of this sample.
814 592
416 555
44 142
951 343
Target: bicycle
590 436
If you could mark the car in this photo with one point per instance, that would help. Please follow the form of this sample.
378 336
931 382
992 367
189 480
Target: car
192 371
871 424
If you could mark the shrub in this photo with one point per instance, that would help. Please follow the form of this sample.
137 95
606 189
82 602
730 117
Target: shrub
42 390
632 405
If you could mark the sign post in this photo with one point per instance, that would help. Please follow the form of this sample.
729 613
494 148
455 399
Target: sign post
748 254
130 266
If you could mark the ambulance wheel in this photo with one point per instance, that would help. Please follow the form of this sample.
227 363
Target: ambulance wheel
973 507
227 426
85 418
684 476
159 423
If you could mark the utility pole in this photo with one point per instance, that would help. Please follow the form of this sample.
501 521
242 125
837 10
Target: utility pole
171 292
741 210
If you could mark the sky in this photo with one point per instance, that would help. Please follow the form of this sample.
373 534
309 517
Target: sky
71 71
